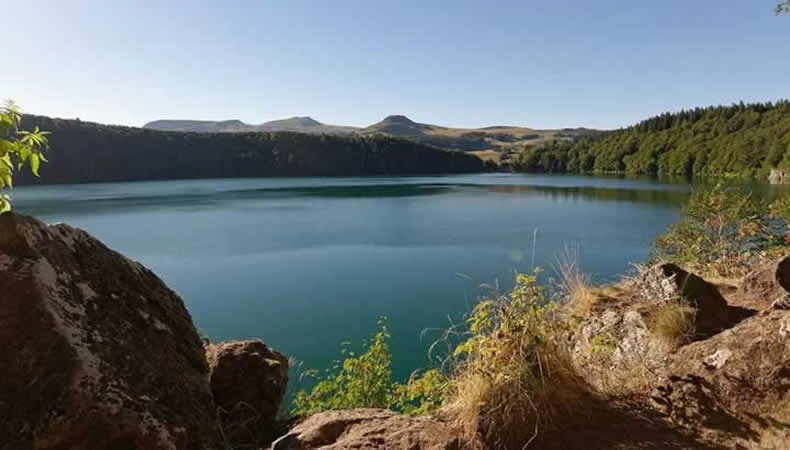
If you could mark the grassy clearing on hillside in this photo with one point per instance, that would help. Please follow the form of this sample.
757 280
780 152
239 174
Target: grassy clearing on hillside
488 155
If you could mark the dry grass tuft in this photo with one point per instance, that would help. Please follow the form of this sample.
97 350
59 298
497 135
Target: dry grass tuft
575 286
514 376
673 322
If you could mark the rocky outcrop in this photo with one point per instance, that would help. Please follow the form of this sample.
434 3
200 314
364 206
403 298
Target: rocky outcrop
97 353
615 351
734 386
668 282
369 429
767 287
614 347
728 386
248 381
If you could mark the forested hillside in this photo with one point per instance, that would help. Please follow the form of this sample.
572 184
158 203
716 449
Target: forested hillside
746 139
87 152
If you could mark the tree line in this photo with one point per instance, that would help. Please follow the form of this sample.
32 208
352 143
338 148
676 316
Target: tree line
743 139
91 152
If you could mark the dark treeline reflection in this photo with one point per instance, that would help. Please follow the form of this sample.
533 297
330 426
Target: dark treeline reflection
659 197
142 199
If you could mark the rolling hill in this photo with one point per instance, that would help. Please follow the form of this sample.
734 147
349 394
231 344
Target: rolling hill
198 126
294 124
489 142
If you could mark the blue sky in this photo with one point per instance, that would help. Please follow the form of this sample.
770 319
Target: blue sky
543 64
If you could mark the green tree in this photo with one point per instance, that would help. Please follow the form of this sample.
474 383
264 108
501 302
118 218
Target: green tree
17 147
783 7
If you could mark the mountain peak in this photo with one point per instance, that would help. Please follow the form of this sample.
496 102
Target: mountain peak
305 121
397 125
398 119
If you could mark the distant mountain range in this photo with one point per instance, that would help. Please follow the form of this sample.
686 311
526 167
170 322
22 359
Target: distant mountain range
295 124
497 139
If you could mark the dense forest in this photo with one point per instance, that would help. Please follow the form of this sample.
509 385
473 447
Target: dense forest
88 152
743 139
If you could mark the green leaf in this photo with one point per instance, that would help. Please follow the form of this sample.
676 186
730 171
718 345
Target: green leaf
6 180
16 148
34 163
6 162
5 203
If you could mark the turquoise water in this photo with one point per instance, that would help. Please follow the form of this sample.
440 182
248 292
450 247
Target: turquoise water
306 263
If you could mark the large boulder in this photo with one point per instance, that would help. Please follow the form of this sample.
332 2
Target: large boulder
248 380
766 287
97 352
369 429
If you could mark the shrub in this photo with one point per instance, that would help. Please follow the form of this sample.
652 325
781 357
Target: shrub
365 381
17 147
360 381
423 394
514 375
510 378
721 230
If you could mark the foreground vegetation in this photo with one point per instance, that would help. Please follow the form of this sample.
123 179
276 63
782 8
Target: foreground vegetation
503 379
18 147
743 139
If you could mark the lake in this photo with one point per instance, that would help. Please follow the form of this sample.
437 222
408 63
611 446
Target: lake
307 263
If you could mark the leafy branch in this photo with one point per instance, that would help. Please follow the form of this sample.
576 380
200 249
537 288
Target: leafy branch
17 147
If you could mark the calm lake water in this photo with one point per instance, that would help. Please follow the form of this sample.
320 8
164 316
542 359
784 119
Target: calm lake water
307 263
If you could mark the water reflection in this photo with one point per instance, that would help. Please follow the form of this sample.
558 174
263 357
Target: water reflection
659 197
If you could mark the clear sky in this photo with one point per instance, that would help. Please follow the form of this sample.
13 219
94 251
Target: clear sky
471 63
